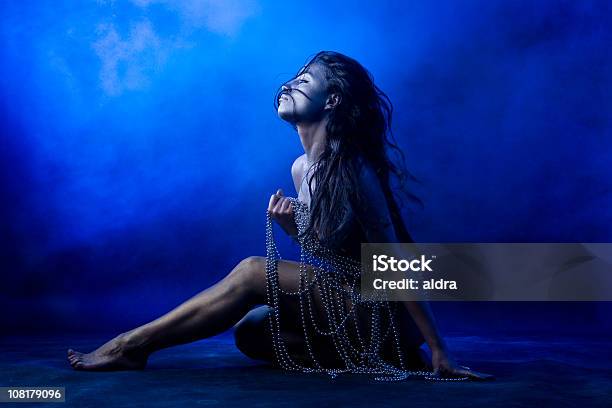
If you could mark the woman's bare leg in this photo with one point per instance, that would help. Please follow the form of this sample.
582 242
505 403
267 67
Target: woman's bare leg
253 338
208 313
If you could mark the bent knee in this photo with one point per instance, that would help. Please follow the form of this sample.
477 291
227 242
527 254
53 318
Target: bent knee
251 336
253 324
253 262
249 270
248 278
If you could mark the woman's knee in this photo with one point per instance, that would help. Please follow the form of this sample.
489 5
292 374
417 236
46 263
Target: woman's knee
251 266
250 274
251 335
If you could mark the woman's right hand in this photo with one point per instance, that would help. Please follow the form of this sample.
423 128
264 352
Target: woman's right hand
445 366
281 210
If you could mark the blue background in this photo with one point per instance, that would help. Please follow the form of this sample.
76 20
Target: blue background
139 143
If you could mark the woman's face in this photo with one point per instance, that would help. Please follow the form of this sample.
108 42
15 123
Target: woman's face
303 99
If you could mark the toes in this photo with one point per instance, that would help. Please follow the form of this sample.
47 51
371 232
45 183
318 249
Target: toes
72 352
75 359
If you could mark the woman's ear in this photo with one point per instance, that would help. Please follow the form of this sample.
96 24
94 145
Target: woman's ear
333 100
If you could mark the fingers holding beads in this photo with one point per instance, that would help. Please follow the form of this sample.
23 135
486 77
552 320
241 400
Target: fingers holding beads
280 209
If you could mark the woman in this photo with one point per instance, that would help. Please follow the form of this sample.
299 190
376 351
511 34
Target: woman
343 198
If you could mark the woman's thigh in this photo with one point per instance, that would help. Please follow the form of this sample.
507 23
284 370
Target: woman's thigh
253 333
253 336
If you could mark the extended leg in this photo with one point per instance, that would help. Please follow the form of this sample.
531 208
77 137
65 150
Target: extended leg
208 313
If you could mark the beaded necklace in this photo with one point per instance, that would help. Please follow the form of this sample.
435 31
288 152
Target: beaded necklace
337 277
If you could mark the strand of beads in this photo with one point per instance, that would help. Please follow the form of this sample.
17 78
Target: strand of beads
336 277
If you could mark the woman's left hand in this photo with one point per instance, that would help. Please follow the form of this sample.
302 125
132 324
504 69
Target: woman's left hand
445 366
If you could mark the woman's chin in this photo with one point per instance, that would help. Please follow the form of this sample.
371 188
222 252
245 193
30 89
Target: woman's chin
285 115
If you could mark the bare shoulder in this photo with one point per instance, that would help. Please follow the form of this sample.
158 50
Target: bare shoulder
297 171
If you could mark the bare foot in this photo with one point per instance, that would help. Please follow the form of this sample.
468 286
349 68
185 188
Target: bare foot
116 354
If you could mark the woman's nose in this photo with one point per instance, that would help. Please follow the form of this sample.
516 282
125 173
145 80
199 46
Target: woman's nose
284 87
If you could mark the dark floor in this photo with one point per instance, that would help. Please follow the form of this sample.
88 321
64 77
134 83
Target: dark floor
531 372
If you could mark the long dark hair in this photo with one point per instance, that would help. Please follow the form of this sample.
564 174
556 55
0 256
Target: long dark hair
358 130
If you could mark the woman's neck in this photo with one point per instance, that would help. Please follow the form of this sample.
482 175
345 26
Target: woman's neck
313 137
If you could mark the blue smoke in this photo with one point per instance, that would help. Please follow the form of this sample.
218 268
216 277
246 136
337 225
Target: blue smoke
140 144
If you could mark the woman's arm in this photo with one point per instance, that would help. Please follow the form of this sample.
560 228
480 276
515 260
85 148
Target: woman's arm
374 215
376 220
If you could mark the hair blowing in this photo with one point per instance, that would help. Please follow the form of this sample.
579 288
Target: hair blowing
358 131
